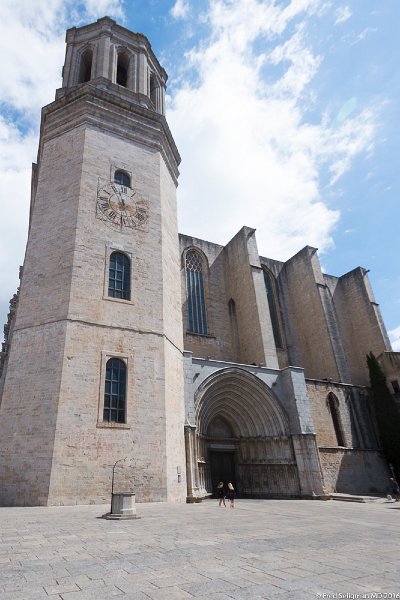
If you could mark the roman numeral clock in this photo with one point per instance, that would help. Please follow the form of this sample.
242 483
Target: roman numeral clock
121 207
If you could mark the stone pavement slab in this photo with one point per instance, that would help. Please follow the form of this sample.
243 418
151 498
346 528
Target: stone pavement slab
269 549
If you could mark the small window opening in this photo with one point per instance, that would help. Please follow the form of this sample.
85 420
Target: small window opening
85 68
122 70
122 178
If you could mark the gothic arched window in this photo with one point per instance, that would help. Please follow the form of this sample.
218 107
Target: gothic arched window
122 69
122 178
197 316
270 286
115 391
119 276
85 66
333 404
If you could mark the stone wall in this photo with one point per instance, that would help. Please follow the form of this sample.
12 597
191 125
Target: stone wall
309 344
349 471
219 341
360 322
355 412
357 467
233 273
55 446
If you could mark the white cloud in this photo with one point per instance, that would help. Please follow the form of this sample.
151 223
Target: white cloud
180 9
250 157
343 14
32 47
102 8
352 137
363 34
394 336
32 40
16 152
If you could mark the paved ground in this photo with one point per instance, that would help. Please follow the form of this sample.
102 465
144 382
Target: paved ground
261 549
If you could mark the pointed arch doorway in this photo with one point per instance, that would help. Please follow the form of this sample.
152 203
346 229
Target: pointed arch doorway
242 432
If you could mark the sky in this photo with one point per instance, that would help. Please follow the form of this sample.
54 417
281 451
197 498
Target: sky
285 113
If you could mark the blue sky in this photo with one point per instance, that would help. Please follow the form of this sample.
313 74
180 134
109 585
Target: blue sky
286 115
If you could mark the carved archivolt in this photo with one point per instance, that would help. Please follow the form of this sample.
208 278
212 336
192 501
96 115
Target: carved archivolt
244 401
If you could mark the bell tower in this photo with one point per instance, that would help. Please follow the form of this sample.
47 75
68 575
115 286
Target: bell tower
95 370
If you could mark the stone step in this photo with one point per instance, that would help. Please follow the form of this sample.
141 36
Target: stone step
355 498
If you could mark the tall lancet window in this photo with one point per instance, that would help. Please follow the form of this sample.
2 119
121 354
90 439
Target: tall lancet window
197 316
270 286
119 276
115 391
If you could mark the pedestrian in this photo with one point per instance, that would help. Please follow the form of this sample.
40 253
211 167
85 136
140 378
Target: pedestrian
221 493
231 495
395 489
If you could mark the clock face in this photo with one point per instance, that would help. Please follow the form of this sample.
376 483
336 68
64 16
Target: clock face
121 207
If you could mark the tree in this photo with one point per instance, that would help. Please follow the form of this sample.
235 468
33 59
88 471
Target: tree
387 415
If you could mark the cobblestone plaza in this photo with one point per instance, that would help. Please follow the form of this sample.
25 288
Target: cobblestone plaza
261 549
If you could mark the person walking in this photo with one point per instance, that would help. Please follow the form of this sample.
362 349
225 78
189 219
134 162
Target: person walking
231 495
395 489
221 494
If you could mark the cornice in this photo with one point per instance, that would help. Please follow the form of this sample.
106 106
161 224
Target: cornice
102 105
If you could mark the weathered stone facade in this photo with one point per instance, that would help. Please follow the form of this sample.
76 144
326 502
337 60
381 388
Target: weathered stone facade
327 440
56 447
263 385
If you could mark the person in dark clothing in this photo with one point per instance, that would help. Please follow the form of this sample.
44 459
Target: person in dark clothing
221 494
395 489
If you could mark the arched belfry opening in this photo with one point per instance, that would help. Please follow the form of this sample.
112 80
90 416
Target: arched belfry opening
242 434
85 66
122 69
153 89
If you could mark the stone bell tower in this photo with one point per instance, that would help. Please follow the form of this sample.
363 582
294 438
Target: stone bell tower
95 372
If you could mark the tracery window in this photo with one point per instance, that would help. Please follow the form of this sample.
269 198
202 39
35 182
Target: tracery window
333 404
115 392
270 286
197 316
119 276
122 178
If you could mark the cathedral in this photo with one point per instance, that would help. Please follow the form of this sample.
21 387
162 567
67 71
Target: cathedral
186 361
